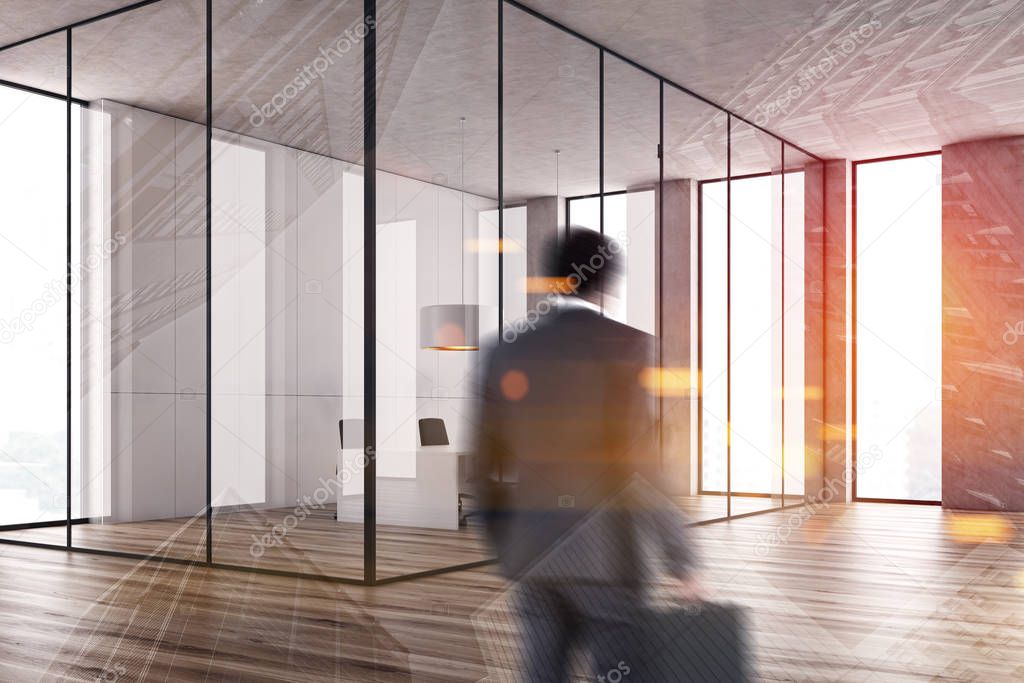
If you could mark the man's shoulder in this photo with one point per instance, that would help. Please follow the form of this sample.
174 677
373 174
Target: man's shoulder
570 333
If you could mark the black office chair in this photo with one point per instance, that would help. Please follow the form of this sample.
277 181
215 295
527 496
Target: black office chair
352 437
433 433
356 433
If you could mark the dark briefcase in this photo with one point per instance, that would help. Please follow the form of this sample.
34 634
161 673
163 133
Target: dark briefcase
702 642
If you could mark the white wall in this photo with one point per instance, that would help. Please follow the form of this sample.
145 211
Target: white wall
287 280
239 324
143 346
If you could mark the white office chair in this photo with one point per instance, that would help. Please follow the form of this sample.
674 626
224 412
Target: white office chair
434 433
351 434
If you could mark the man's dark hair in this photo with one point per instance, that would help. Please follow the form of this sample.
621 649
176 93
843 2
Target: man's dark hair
586 259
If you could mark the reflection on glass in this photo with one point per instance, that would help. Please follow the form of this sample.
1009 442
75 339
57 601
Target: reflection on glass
631 173
743 309
437 245
714 311
287 274
694 209
756 310
899 329
629 220
287 288
239 351
793 319
142 469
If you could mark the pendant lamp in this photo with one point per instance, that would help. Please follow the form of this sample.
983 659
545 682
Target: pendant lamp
453 327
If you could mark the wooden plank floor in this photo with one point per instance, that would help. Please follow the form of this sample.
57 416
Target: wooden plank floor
317 544
863 592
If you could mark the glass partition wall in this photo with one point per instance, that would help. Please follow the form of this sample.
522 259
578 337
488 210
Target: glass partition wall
437 250
694 229
261 266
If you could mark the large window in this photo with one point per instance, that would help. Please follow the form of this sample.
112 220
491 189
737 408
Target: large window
33 329
741 340
898 318
752 287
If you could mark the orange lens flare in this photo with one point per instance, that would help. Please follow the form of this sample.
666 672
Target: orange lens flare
836 432
515 385
492 246
549 285
667 381
979 528
811 393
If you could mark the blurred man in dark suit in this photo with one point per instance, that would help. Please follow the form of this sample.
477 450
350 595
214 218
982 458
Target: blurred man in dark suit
565 416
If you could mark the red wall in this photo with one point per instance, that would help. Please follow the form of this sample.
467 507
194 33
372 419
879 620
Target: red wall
983 325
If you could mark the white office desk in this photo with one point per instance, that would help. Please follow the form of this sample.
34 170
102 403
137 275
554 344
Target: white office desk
430 500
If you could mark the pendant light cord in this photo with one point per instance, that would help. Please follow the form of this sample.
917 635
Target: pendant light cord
558 198
558 153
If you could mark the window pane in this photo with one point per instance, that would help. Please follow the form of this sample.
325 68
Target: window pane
629 219
899 329
695 155
631 172
714 307
143 198
754 311
33 330
287 286
794 308
756 270
436 246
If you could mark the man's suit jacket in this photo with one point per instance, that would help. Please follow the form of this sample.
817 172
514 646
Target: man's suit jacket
563 413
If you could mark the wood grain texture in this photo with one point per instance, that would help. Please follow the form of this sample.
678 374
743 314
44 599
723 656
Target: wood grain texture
859 592
316 544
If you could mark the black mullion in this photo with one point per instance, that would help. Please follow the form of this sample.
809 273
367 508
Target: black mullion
501 171
600 146
728 317
209 282
660 222
782 161
76 24
700 338
501 186
370 292
40 91
568 215
897 157
824 331
852 333
67 142
612 193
